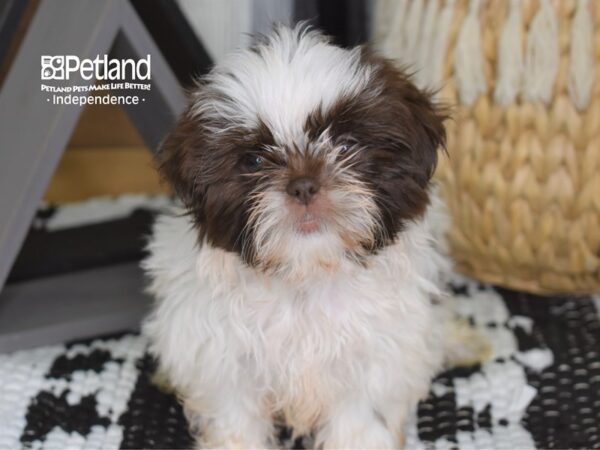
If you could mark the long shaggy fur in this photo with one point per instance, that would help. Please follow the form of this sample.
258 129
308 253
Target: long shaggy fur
316 308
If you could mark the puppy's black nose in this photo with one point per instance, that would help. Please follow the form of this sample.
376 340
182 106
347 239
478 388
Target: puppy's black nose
303 189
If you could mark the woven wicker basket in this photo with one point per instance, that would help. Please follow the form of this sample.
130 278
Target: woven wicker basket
522 183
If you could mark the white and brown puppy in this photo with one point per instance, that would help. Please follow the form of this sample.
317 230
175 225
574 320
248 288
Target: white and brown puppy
299 281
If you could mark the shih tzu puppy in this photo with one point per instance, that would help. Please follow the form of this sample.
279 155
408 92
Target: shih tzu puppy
298 281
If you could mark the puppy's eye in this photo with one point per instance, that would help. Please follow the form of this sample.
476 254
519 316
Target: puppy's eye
253 162
345 150
346 146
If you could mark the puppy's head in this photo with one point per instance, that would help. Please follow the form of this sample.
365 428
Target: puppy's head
301 156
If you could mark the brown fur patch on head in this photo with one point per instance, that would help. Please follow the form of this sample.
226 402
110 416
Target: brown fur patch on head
398 130
208 170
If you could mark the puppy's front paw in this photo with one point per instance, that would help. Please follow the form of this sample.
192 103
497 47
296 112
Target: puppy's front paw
227 432
374 437
368 433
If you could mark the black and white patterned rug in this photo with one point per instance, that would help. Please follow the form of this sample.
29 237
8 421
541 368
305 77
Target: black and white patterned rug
539 389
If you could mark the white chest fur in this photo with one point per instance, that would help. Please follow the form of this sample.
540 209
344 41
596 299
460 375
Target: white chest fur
362 331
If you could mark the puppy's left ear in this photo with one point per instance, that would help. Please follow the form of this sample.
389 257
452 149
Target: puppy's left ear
426 134
405 130
406 119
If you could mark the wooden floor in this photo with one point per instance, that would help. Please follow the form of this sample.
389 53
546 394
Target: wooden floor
86 172
105 156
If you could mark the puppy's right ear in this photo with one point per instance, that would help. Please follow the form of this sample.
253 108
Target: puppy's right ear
179 159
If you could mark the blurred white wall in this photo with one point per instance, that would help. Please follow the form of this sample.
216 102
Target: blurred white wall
224 25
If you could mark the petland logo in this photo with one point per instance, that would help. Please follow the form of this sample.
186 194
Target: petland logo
101 68
98 81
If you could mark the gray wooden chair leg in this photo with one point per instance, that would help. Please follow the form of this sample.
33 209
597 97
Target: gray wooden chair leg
34 132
